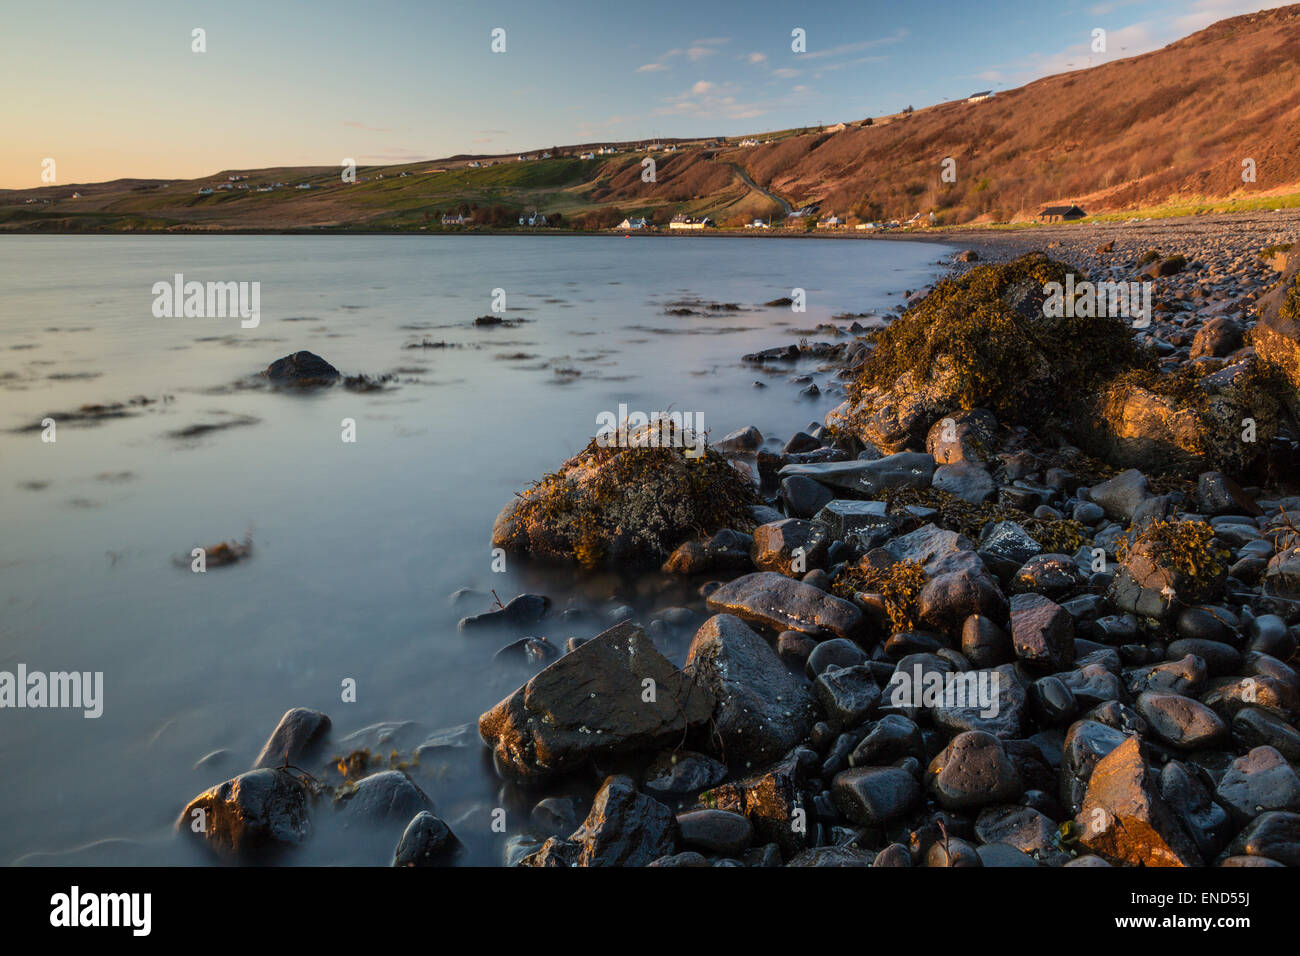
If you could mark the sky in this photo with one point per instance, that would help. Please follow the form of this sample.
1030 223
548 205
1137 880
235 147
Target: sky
111 90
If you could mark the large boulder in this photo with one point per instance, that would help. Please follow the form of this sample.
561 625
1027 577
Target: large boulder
593 702
761 710
627 505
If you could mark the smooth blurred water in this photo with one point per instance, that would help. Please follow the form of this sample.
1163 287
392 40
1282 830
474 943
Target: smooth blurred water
357 547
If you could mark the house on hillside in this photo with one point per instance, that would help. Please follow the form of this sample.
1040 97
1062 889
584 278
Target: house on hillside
587 156
457 220
980 97
837 128
533 219
830 222
758 224
304 185
638 222
205 191
690 222
1061 214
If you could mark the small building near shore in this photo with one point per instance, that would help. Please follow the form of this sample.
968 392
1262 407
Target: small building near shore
690 222
1061 214
633 223
830 222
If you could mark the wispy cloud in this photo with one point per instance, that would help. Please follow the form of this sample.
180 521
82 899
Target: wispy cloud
353 124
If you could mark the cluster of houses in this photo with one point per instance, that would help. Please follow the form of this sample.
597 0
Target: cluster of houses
233 180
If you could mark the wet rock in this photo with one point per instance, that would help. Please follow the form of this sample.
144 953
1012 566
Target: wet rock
937 550
301 370
1022 828
1182 722
521 611
382 798
262 810
427 841
295 737
1260 781
1282 575
528 651
864 521
948 599
1055 576
790 546
1120 496
1186 676
891 738
688 859
965 436
589 703
741 440
967 480
773 600
761 710
1205 821
1253 727
1124 817
1086 743
832 856
973 771
715 831
1042 632
628 506
677 773
769 800
1274 835
726 550
1002 854
966 708
625 828
1217 494
984 643
554 815
804 497
874 796
847 694
836 652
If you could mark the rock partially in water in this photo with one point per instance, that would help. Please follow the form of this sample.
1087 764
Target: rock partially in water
301 370
297 734
627 506
427 841
591 702
259 811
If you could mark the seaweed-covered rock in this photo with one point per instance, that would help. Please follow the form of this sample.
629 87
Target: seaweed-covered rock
594 701
627 506
1169 565
986 339
1276 336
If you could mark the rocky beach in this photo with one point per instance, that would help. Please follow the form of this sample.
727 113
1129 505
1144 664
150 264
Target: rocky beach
1027 597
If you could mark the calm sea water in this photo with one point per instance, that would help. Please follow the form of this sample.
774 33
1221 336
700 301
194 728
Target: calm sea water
357 546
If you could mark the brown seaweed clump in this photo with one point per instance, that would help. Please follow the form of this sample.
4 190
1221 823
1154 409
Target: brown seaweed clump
1181 554
899 586
1056 535
628 504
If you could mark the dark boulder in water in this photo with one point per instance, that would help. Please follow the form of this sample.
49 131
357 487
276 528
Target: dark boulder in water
294 737
256 812
301 370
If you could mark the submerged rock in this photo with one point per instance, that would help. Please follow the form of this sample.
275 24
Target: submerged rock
427 841
294 738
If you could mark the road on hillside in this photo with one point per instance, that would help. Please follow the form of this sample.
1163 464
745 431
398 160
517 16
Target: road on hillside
744 177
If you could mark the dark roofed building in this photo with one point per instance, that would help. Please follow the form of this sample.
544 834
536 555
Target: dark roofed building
1058 213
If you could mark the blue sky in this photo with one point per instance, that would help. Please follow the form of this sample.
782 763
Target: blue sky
114 89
